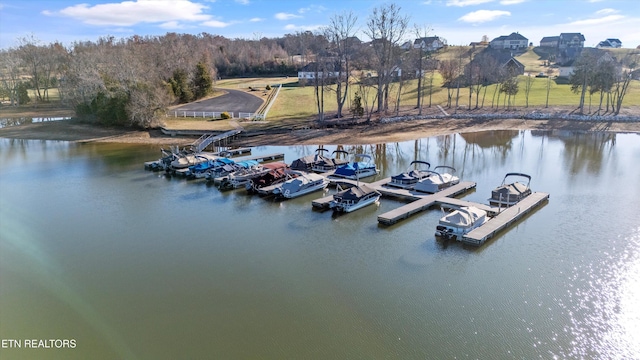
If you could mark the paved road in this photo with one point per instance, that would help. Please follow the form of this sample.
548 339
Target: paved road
233 101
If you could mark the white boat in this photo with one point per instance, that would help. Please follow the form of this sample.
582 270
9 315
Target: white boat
304 184
354 198
409 178
183 160
508 194
357 169
440 178
459 222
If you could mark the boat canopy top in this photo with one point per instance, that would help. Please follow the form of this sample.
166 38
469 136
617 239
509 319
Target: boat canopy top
275 165
247 163
444 167
465 216
528 177
420 162
305 162
411 175
355 193
225 161
510 189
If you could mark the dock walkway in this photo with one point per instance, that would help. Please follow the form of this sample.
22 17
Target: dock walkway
423 203
505 218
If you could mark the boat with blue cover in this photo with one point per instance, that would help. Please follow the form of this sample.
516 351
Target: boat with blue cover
200 170
303 184
357 169
227 169
417 171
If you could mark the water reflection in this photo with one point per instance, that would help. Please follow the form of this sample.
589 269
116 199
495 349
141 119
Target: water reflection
145 256
15 121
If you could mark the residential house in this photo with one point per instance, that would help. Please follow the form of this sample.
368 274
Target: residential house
570 40
550 41
513 41
500 59
479 44
326 71
431 43
610 44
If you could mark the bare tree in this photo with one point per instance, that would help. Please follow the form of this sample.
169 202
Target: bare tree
10 72
421 32
449 70
386 28
622 81
528 83
340 34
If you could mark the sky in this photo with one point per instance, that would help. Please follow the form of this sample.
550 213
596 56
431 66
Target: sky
458 21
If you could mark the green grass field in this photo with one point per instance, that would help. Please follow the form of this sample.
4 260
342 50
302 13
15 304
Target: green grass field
299 102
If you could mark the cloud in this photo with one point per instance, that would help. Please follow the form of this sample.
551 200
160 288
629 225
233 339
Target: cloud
597 21
286 16
171 25
316 8
243 2
291 27
607 11
215 24
462 3
128 13
256 19
481 16
511 2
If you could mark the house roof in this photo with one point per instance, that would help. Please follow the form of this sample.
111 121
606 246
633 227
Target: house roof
614 40
550 39
512 36
426 40
516 36
313 67
569 36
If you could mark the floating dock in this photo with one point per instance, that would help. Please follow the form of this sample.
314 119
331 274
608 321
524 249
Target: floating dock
424 201
504 218
419 200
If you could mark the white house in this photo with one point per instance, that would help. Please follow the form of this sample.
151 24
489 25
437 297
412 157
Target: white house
309 71
512 41
431 43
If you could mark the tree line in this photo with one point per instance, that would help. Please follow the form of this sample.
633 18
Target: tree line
131 81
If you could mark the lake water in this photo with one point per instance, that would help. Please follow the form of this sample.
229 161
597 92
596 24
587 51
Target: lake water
131 264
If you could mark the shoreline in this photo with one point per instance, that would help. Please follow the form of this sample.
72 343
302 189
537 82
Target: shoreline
373 133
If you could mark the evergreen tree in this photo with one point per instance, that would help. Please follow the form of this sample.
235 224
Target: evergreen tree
202 81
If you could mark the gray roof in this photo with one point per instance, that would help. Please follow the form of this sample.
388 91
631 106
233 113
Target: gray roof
512 36
550 38
568 36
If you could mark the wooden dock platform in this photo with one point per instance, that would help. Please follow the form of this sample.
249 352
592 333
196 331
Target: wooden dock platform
504 218
233 152
424 202
262 158
322 203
